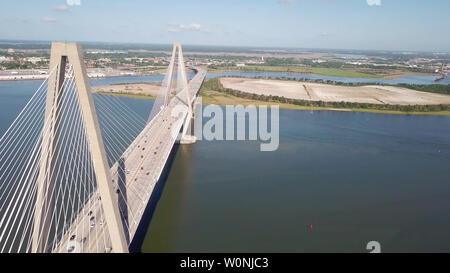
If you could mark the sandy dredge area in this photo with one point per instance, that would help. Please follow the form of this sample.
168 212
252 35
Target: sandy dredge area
375 94
147 89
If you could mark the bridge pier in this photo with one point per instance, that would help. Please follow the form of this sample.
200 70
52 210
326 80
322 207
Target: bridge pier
187 138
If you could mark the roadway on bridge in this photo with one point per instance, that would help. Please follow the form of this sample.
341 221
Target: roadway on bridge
140 168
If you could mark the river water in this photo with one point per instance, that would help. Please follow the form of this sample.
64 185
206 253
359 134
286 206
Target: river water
337 181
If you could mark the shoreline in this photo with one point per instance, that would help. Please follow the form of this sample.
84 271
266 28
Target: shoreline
36 77
91 78
147 90
216 98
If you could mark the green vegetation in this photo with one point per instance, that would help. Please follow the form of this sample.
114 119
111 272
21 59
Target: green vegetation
16 65
433 88
215 85
305 70
131 83
128 95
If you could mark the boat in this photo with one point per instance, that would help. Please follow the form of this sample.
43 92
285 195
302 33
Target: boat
441 78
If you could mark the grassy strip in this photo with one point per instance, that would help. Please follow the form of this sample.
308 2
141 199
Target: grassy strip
336 72
222 99
131 83
128 95
433 88
211 95
215 85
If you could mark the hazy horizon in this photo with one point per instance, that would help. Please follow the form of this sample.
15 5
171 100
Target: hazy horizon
188 46
381 25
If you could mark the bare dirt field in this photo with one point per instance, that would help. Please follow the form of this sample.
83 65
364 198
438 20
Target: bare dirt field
147 89
315 91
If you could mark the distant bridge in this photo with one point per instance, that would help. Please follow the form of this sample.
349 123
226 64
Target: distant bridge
67 181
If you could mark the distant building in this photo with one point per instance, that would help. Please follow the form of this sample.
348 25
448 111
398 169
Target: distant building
127 73
11 51
96 75
4 59
34 60
319 61
105 60
354 63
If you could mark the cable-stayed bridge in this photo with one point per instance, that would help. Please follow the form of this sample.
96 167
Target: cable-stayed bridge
77 170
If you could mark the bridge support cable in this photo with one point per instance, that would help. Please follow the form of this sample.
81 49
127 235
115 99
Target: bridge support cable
77 170
184 85
119 129
18 151
20 136
74 55
118 123
162 97
54 175
66 169
175 84
28 177
118 134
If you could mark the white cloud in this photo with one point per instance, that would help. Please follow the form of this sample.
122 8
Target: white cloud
60 8
285 1
174 28
195 27
49 20
373 2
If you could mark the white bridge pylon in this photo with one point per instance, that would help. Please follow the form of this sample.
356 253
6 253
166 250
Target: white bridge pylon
175 83
62 54
77 170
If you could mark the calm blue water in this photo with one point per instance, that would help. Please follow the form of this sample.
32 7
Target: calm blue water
129 79
353 177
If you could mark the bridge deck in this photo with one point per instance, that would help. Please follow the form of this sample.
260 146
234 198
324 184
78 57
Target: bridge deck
140 167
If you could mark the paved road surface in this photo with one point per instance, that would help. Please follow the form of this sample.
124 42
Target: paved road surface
140 168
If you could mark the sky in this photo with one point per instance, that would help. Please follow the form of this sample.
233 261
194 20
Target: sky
400 25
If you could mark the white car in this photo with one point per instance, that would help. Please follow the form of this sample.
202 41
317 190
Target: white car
70 249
